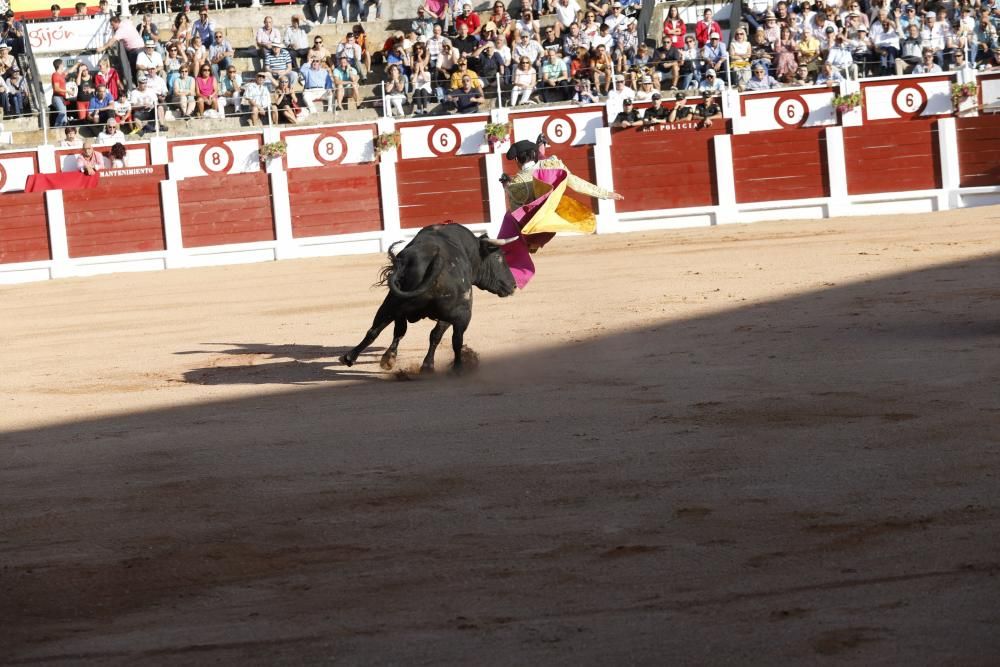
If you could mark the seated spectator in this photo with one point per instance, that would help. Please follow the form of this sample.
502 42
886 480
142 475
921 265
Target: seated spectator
395 91
203 27
862 52
657 114
603 37
464 41
469 19
17 95
680 111
364 14
840 57
266 37
110 134
345 81
117 155
220 54
461 72
277 64
620 92
691 64
182 33
708 109
761 80
437 10
150 58
352 50
602 69
362 39
8 64
627 117
528 25
711 83
554 85
102 106
927 65
523 83
583 93
527 48
801 77
257 99
197 54
646 90
184 93
72 139
886 42
123 114
147 29
465 99
714 54
423 25
910 50
317 85
422 95
668 61
566 13
296 42
626 45
435 44
176 58
808 51
146 107
108 76
206 95
286 102
230 90
761 50
89 161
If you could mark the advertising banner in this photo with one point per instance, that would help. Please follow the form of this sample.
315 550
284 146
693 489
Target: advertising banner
66 37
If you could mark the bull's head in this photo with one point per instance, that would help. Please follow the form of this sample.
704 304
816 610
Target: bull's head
493 274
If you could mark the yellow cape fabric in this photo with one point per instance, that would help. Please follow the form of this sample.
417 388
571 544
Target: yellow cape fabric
559 213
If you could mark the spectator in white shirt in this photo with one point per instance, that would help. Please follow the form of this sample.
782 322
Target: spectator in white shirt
297 42
110 134
266 36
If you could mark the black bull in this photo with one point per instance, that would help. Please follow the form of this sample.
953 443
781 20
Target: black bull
433 277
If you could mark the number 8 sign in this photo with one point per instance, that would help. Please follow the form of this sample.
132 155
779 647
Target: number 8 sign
330 148
909 100
559 130
216 158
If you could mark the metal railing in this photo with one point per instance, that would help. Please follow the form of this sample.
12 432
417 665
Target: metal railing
40 104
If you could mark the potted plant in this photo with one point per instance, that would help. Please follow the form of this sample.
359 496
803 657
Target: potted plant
496 133
845 103
962 91
268 152
386 141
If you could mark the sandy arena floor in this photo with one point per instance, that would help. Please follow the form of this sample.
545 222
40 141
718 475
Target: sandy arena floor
766 444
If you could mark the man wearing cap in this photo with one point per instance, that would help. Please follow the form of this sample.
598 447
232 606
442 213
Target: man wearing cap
711 83
110 134
656 114
705 28
527 48
909 17
469 19
760 79
257 98
861 50
646 90
17 95
708 108
827 39
150 58
618 93
714 54
278 63
911 50
616 19
145 106
627 117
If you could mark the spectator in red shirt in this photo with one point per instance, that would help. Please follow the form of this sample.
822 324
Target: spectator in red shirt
108 76
59 92
705 27
469 18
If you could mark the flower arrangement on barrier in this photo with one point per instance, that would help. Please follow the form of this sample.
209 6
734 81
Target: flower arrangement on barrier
386 141
963 91
496 133
268 152
844 103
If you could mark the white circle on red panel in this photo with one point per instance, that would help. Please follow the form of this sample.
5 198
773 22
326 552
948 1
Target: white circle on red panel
216 158
558 130
3 176
791 111
444 140
909 100
330 148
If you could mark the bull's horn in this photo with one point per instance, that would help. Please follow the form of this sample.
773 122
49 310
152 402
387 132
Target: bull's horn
502 242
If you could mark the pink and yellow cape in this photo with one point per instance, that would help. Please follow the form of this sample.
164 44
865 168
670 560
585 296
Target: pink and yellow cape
538 221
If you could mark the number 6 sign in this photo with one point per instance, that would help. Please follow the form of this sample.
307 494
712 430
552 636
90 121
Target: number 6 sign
791 111
909 100
559 130
443 140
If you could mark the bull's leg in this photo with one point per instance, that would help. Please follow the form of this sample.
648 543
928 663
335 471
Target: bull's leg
436 333
389 357
457 338
383 316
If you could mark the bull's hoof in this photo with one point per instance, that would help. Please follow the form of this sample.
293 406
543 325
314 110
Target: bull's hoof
347 361
387 362
457 370
427 369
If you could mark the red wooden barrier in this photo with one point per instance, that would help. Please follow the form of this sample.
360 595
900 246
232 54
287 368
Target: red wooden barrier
335 199
226 208
121 215
432 190
892 156
979 150
661 169
24 232
781 164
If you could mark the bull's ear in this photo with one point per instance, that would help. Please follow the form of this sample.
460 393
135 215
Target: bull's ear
485 246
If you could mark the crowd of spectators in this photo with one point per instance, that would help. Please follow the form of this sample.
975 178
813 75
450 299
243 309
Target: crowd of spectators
798 43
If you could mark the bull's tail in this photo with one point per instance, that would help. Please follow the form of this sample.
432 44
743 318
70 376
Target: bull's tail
387 270
431 275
